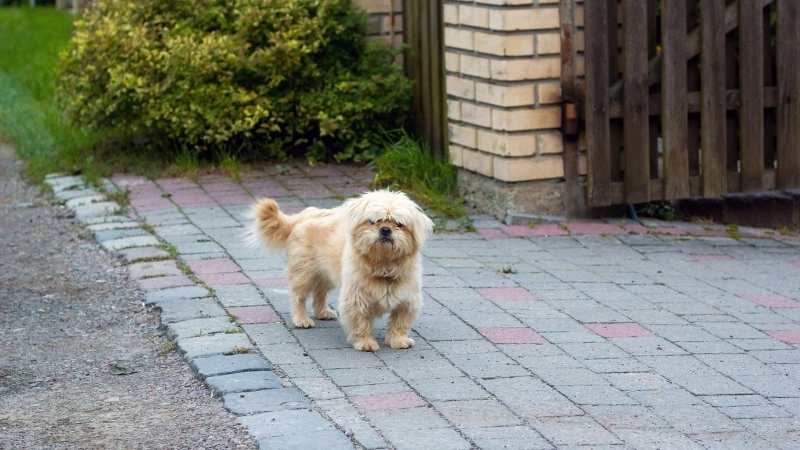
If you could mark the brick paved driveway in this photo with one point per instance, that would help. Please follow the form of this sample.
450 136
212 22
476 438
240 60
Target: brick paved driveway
584 334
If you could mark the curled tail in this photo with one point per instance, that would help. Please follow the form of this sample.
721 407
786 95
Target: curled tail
270 226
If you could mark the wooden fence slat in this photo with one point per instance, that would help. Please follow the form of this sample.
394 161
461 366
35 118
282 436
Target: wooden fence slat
435 77
573 199
714 148
751 76
616 136
788 40
674 117
637 98
652 50
597 121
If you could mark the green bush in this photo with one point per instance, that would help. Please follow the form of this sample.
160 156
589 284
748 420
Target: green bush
258 77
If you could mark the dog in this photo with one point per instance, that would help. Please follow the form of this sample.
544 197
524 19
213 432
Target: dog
369 247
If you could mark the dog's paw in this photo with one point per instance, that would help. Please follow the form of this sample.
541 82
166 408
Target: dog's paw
366 345
327 314
399 342
302 322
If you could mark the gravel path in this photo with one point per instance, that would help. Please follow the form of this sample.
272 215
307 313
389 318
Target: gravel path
82 365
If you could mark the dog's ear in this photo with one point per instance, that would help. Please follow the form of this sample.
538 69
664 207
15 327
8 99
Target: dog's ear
355 209
423 225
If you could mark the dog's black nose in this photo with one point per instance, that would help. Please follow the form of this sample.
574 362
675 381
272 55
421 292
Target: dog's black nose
386 231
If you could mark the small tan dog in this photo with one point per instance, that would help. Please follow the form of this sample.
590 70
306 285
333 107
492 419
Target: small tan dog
369 247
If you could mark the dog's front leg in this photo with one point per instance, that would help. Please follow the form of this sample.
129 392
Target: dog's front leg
356 317
400 320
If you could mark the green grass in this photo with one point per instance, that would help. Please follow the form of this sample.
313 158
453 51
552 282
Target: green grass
405 165
29 117
31 120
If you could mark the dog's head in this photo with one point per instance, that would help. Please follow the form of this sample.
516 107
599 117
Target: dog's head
386 225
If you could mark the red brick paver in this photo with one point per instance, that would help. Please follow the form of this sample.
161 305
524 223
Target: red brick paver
507 335
787 336
506 293
224 278
211 266
254 314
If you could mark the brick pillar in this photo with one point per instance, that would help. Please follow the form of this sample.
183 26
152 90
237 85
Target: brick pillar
503 66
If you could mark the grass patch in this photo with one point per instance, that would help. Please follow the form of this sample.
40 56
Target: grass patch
732 231
167 347
407 166
30 119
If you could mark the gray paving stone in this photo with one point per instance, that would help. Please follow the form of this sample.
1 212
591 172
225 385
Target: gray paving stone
637 381
488 365
200 327
136 254
179 310
530 398
596 395
475 413
427 439
367 375
213 345
279 429
114 226
167 295
616 365
108 235
408 419
693 419
343 414
318 388
225 364
151 269
516 437
269 333
613 417
422 364
244 382
754 412
662 438
344 358
239 295
648 345
593 350
130 242
725 441
271 399
454 388
561 376
287 353
771 385
99 209
573 431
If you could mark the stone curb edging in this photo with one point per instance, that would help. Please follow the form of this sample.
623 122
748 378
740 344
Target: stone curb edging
209 339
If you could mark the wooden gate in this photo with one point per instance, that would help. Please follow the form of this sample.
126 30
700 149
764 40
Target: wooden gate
424 63
690 98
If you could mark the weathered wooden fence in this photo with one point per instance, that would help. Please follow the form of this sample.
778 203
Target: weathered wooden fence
690 98
425 66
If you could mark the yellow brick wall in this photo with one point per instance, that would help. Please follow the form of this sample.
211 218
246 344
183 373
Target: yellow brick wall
503 66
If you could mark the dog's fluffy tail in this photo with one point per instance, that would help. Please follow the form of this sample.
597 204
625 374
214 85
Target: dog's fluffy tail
270 226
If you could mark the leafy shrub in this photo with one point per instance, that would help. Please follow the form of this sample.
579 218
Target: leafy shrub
266 77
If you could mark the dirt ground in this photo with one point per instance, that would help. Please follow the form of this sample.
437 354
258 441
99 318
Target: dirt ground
82 365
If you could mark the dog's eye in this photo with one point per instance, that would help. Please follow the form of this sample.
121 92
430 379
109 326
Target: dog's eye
371 222
399 225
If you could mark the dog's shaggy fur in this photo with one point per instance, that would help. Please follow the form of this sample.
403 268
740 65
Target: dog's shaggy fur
369 247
